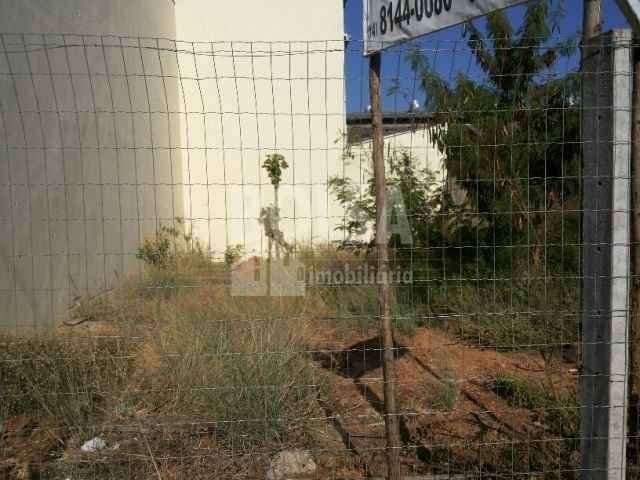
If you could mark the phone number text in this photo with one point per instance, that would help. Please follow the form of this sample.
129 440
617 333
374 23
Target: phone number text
397 13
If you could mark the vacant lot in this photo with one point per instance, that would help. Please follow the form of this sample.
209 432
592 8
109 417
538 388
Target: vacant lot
179 379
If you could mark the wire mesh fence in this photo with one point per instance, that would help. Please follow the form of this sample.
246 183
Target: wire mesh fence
189 283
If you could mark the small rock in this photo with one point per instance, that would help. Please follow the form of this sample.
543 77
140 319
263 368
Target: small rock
291 463
94 444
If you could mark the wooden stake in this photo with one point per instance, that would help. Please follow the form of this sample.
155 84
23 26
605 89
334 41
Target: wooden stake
591 23
391 418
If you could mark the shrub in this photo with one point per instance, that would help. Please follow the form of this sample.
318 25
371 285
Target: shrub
448 395
519 393
233 253
175 261
155 252
559 409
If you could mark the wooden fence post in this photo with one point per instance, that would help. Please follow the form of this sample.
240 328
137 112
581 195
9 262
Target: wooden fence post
391 419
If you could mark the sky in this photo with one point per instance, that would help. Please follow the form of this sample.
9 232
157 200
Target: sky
446 49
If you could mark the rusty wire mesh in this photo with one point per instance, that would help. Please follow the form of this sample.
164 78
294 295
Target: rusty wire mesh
187 276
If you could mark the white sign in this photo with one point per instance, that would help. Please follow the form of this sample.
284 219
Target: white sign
388 22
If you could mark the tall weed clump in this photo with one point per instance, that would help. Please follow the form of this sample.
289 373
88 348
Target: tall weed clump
242 365
67 379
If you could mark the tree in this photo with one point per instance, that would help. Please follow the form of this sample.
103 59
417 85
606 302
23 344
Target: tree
510 141
275 164
511 138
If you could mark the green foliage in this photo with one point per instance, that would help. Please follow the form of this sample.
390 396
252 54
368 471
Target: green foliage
406 315
518 313
275 164
233 253
156 251
560 410
417 193
495 246
447 396
173 260
359 206
160 251
519 393
511 139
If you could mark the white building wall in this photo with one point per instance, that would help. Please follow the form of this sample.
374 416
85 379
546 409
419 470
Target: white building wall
86 170
100 128
277 87
417 142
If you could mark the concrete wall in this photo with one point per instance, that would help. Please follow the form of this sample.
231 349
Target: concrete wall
88 164
278 86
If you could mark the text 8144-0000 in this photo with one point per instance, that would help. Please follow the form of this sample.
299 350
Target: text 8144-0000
403 12
388 22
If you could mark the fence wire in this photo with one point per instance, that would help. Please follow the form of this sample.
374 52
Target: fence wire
187 270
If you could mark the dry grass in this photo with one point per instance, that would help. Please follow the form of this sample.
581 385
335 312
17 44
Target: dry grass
191 382
70 379
170 344
518 314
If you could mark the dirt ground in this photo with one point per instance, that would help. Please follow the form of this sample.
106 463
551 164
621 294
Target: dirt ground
453 422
